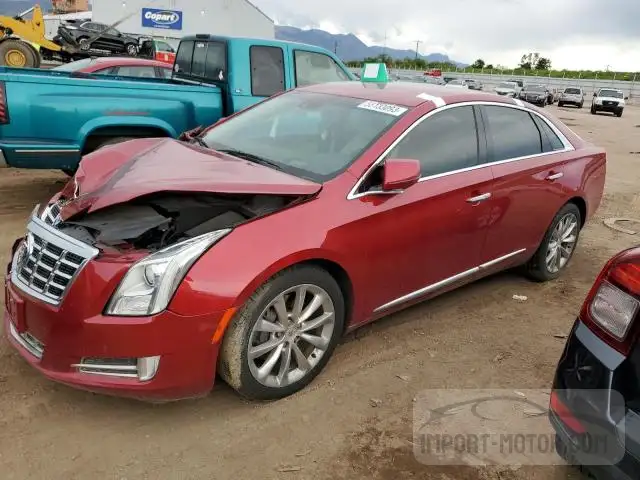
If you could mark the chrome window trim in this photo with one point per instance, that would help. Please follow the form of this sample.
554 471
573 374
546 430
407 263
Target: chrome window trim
568 147
447 281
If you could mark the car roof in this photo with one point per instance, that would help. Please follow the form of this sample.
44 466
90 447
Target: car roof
117 61
405 94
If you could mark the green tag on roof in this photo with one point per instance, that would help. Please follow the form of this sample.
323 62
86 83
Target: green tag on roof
374 73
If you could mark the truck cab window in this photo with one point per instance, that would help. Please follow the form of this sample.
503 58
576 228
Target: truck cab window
313 67
267 70
202 59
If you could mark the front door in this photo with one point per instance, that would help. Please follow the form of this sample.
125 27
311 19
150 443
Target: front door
430 236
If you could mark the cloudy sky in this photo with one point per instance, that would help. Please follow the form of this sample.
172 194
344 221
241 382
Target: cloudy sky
575 34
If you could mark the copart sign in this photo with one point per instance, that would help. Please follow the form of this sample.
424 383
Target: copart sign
168 19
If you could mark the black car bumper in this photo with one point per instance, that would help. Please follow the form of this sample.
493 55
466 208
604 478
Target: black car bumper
586 384
535 101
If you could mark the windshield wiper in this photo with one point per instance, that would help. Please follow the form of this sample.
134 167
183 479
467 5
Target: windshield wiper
199 141
251 157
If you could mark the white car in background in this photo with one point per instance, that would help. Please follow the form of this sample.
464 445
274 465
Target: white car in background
608 100
457 84
510 89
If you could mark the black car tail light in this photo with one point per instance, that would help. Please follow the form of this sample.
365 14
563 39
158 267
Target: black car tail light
4 108
612 307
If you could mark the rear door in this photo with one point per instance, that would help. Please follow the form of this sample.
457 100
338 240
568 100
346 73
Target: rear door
528 158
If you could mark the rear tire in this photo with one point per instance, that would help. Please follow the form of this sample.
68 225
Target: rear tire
105 143
17 54
557 246
269 373
112 141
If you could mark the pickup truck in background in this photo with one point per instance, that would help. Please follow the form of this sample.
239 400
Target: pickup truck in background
51 119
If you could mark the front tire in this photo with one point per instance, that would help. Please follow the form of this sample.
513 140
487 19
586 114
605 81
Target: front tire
593 110
560 104
557 246
284 334
619 113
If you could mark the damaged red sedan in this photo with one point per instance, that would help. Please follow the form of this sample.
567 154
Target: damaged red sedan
250 249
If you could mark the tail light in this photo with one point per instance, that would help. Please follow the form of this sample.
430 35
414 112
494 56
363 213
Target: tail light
4 109
612 307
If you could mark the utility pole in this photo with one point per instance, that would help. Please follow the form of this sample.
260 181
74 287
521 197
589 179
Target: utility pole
418 42
384 48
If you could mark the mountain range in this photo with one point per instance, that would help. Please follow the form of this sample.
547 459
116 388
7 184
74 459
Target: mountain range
347 46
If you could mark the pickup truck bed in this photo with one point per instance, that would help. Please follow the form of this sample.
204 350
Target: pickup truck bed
52 118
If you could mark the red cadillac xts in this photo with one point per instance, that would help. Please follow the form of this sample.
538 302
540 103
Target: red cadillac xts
249 250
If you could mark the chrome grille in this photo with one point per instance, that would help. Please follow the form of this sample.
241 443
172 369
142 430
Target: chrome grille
48 260
51 214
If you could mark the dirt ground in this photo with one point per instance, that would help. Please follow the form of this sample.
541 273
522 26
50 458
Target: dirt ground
476 337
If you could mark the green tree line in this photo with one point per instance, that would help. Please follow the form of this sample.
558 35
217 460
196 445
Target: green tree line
530 65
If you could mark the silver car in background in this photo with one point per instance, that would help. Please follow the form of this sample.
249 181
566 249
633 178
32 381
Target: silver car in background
571 96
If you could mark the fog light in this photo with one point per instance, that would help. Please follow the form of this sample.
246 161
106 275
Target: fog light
143 368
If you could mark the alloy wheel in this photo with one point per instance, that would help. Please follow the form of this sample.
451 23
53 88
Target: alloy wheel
562 243
291 335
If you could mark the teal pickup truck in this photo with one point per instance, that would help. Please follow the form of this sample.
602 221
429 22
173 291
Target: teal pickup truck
51 119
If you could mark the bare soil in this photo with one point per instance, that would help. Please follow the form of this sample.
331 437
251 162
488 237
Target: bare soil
475 337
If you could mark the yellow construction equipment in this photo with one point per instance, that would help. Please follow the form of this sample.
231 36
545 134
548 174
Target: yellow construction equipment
21 39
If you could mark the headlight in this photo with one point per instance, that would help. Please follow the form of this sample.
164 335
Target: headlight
149 285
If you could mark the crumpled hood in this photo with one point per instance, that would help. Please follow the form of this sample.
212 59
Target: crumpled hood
122 172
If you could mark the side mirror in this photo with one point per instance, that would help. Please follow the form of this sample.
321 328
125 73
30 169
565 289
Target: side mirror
595 94
399 174
626 98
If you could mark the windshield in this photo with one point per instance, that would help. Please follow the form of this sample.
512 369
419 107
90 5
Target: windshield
507 85
534 88
311 135
572 91
610 93
75 66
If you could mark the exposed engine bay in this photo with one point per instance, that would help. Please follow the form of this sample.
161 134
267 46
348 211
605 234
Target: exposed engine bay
156 221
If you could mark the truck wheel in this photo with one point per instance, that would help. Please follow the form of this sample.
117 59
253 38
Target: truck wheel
113 141
105 143
557 246
17 54
284 334
619 113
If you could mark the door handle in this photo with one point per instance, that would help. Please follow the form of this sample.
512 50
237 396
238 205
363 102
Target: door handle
479 198
554 176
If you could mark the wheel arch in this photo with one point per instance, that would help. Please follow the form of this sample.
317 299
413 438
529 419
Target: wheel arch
92 135
332 266
581 203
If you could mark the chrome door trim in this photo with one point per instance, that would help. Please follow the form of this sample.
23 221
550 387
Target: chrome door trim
447 281
35 150
568 147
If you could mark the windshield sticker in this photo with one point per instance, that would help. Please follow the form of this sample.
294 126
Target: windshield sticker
438 102
388 108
